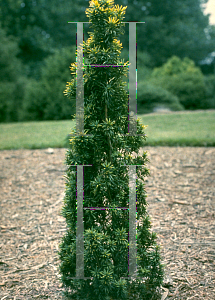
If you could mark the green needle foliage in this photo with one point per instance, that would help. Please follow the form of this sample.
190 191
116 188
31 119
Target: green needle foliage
106 182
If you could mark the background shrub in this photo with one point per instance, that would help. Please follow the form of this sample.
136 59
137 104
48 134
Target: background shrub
11 81
6 100
149 97
183 79
34 101
11 95
210 91
44 99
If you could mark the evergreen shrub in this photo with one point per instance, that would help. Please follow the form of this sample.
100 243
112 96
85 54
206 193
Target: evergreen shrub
183 79
11 97
149 97
11 79
6 100
106 181
44 99
209 102
34 102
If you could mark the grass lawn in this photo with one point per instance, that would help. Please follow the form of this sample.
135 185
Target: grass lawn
195 128
181 129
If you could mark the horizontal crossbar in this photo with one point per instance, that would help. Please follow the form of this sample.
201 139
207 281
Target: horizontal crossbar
104 208
121 22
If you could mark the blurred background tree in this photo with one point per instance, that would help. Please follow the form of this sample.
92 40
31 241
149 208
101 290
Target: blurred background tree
11 80
39 28
44 99
183 79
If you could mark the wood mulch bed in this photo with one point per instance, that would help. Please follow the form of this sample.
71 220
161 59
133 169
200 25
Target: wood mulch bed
181 197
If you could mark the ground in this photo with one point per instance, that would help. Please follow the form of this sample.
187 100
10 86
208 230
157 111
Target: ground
181 197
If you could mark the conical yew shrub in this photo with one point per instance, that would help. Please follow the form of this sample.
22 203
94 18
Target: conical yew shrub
107 150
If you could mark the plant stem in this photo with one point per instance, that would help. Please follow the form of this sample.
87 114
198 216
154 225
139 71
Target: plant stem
109 142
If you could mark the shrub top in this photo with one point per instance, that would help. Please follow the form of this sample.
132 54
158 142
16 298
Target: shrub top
176 66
